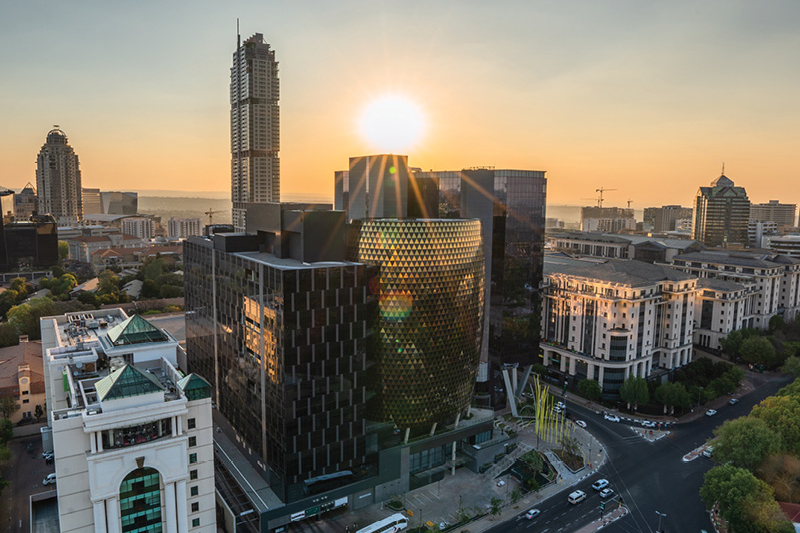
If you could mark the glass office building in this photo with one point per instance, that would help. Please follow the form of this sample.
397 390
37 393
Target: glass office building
430 289
721 214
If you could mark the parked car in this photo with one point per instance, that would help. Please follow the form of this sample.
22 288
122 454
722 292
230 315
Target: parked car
606 493
581 423
708 452
648 424
612 418
444 524
600 484
561 405
733 401
533 513
711 412
501 483
47 455
50 479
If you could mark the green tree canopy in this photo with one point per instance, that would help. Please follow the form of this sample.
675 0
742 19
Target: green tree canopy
25 317
6 431
63 250
634 391
673 395
782 415
8 406
590 389
758 350
732 343
792 365
745 442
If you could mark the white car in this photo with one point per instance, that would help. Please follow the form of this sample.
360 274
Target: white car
501 483
612 418
533 513
444 525
648 424
561 405
50 479
600 484
711 412
581 423
606 493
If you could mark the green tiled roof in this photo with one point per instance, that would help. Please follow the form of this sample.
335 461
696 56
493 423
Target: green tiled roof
135 330
195 387
125 382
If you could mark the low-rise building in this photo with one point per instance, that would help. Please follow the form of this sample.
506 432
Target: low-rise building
603 245
131 433
182 228
21 378
610 319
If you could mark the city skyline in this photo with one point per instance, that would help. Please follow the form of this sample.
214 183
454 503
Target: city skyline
599 95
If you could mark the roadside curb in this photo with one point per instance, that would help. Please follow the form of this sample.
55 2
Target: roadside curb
601 523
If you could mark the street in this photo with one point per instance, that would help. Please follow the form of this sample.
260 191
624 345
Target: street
650 476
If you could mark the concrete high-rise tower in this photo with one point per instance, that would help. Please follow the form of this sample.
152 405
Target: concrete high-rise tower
721 214
58 179
255 127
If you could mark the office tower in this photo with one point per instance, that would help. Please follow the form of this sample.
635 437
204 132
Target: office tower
429 326
7 206
607 219
721 214
278 322
91 201
58 179
255 121
26 202
663 219
181 228
773 211
132 435
119 203
28 243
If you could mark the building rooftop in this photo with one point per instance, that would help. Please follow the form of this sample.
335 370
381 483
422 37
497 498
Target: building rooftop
289 264
632 273
125 382
720 285
679 244
727 258
24 353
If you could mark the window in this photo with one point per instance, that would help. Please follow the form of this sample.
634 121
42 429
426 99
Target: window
195 522
195 507
26 400
192 441
192 458
194 491
191 423
193 474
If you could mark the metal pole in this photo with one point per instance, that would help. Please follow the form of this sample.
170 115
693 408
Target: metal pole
660 515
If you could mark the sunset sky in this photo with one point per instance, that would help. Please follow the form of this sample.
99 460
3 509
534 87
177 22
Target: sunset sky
646 97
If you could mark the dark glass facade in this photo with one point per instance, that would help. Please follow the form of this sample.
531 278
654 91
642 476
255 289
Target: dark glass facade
140 502
430 320
283 345
721 214
30 244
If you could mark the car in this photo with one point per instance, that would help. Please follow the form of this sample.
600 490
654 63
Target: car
47 455
561 405
501 483
581 423
557 409
600 484
648 424
733 401
606 493
612 418
708 452
533 513
50 479
444 524
711 412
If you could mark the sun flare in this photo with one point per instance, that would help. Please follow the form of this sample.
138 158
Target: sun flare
392 123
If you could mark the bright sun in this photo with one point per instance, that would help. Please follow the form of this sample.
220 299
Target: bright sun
392 123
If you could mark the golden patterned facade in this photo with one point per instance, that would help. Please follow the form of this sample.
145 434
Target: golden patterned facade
430 316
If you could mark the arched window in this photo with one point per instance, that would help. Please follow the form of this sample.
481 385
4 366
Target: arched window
140 501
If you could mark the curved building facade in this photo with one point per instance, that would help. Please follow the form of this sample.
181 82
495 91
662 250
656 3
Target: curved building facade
430 316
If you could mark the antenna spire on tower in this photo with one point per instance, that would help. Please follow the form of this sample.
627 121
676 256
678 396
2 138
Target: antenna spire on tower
723 168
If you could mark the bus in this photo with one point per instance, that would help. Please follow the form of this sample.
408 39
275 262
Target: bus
319 484
394 523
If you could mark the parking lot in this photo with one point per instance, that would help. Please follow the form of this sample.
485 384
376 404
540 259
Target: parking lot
25 472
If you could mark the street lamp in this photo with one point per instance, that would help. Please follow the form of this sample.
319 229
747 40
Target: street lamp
660 516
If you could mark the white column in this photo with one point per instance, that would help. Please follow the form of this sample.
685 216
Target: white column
112 511
180 424
169 504
590 371
100 440
99 509
563 362
627 372
93 441
600 375
183 510
572 364
545 357
174 426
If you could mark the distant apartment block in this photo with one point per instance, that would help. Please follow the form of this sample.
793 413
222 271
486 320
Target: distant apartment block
91 201
774 211
141 227
131 432
609 320
607 219
757 230
182 228
255 127
26 202
721 214
784 244
663 219
58 179
648 249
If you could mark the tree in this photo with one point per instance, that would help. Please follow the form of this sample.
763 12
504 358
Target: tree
745 442
8 335
25 317
782 415
735 374
590 389
758 350
153 269
149 289
8 406
634 391
6 431
672 395
732 344
745 501
63 250
782 473
108 282
38 412
496 503
792 366
722 386
776 323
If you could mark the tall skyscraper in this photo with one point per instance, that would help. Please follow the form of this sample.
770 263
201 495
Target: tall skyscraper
255 133
58 179
721 213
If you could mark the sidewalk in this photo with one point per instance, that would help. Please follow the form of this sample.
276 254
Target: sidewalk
613 516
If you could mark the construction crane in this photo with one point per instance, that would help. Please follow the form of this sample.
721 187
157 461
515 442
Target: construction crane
601 190
210 214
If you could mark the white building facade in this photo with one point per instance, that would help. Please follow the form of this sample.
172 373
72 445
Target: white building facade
721 307
609 320
182 228
132 436
141 227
